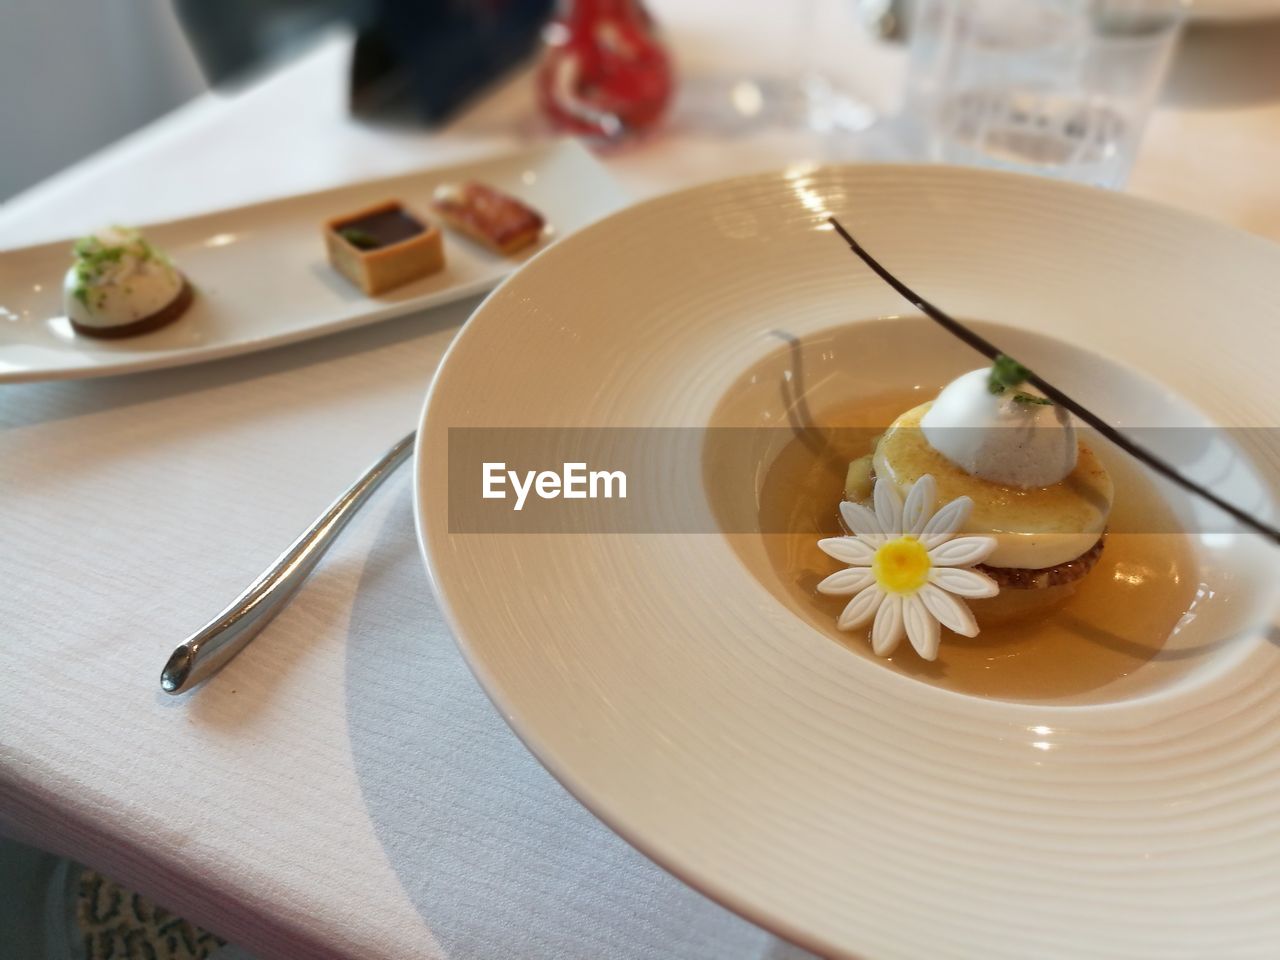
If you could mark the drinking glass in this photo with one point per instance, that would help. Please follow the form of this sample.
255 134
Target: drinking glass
1061 88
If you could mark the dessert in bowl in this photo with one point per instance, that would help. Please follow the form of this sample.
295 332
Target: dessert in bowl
1086 579
1071 780
1012 475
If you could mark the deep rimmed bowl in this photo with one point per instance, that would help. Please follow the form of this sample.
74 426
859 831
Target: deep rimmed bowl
848 808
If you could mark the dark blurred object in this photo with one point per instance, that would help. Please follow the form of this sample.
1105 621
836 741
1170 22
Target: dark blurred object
886 19
437 54
231 38
605 74
424 56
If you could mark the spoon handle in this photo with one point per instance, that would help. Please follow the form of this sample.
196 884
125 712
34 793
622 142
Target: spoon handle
205 652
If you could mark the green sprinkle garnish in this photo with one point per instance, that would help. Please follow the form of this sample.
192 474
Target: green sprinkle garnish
92 258
358 238
91 255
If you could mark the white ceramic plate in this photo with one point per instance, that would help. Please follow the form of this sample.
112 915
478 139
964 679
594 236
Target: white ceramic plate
852 808
262 277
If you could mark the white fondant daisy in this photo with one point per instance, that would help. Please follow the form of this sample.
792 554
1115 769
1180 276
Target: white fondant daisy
907 568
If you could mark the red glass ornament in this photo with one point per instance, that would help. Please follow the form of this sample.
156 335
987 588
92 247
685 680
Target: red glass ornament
604 73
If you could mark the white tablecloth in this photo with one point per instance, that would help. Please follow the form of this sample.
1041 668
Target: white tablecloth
344 789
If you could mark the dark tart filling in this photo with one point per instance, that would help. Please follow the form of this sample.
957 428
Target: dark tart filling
387 226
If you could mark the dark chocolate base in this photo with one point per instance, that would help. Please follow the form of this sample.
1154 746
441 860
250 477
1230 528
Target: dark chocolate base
162 317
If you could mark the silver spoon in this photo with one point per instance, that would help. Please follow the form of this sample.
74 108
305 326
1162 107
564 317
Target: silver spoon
208 650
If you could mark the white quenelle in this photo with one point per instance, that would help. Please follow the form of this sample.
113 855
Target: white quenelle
1006 437
118 278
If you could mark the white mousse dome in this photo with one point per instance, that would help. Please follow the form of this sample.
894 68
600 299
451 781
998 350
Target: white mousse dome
118 278
999 438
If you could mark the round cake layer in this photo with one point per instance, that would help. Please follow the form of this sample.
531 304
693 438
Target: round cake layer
1030 578
1036 528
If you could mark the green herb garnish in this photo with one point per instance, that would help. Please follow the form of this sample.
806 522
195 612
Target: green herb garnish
358 238
1007 373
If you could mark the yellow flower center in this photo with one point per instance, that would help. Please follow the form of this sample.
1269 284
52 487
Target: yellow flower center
901 566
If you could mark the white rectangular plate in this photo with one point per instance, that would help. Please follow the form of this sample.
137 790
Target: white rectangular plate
262 278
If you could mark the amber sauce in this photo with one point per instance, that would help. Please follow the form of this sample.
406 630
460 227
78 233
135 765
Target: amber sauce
1117 621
